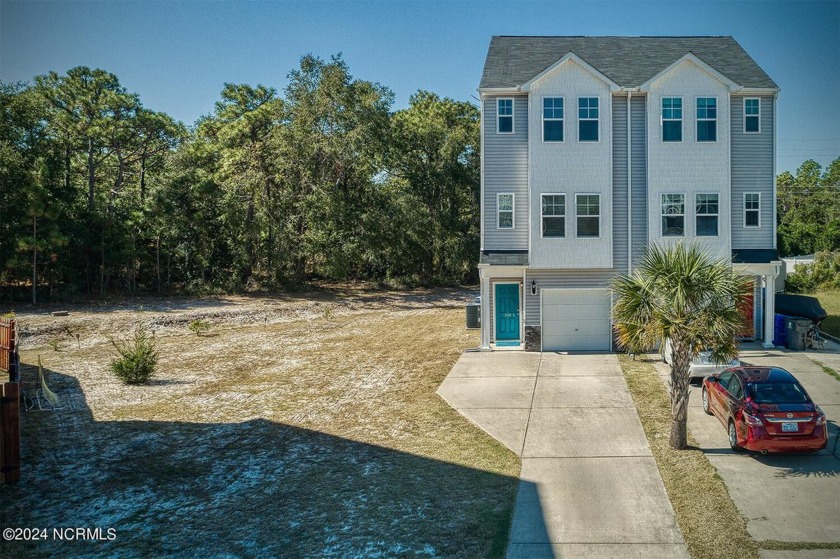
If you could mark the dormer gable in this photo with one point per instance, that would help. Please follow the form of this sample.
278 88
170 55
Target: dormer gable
689 59
568 59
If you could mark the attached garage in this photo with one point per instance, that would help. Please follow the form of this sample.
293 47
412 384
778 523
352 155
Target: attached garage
575 320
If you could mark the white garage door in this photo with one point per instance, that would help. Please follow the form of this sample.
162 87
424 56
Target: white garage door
575 319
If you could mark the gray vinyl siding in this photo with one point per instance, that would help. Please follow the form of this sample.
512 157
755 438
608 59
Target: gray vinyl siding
505 167
552 279
639 170
752 171
601 278
619 190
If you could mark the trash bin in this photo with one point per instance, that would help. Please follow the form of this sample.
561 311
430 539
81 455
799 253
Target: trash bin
473 315
795 330
779 338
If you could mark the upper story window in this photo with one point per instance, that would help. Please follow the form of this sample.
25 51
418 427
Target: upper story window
706 215
504 116
673 215
752 115
504 211
706 119
553 215
672 119
553 119
588 215
588 119
752 209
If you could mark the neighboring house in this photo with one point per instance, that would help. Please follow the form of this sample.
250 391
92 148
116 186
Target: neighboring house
593 147
789 264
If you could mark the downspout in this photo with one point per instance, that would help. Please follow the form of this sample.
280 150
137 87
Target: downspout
775 96
481 173
629 91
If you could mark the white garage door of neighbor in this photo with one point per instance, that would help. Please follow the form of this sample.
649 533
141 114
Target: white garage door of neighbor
576 319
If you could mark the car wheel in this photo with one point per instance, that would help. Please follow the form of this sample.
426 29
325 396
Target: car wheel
706 407
733 437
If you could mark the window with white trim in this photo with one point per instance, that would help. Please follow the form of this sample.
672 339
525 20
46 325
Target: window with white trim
706 119
752 209
553 215
504 116
588 212
706 212
673 215
552 119
588 119
504 210
752 115
672 119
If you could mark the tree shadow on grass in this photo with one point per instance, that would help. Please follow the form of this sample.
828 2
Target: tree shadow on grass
255 488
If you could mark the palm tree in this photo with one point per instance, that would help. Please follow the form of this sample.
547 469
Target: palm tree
681 293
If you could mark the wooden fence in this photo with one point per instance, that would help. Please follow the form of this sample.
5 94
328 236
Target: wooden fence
8 346
9 404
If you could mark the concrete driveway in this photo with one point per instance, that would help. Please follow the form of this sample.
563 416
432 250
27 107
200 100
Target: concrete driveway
793 498
589 483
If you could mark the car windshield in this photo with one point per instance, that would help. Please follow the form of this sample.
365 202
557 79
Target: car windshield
777 393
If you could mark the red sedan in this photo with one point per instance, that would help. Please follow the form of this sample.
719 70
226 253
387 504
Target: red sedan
765 409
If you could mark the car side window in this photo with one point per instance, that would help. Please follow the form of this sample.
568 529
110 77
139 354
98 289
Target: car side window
735 388
725 379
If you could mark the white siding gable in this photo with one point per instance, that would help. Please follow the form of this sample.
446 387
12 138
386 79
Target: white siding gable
570 167
689 167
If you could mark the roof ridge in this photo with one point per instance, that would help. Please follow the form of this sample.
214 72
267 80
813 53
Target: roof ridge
629 60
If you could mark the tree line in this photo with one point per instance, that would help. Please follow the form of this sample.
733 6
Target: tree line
321 181
808 209
270 190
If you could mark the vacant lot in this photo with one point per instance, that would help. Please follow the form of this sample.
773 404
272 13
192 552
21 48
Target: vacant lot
296 427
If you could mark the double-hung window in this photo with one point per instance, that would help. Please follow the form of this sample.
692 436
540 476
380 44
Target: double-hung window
552 119
504 211
673 215
504 116
752 115
706 119
752 209
588 215
588 119
672 119
706 215
553 215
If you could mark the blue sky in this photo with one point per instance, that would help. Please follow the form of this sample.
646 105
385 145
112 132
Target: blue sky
177 55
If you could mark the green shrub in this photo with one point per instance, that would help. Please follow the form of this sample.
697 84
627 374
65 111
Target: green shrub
824 273
199 326
137 358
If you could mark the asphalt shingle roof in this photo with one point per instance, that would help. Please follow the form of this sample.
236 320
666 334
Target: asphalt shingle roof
628 61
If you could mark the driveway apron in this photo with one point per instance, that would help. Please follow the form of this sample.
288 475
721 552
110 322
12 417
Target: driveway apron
589 485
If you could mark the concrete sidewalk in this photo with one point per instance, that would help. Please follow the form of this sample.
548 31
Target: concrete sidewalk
589 483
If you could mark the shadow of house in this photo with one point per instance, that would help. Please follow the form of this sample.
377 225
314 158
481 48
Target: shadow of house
252 489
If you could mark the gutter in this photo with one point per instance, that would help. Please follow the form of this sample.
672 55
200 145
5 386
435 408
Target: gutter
630 91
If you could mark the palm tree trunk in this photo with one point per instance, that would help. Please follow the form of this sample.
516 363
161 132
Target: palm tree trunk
679 396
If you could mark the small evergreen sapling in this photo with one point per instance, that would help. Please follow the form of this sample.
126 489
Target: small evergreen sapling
137 358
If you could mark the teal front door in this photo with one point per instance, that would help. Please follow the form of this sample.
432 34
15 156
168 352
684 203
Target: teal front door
507 311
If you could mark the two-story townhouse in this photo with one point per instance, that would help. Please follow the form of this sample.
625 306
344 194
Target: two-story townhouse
593 147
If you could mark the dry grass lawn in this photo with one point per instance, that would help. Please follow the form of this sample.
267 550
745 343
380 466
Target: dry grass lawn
311 430
830 301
